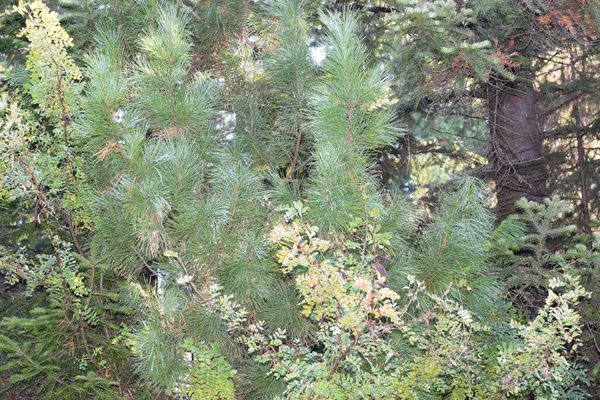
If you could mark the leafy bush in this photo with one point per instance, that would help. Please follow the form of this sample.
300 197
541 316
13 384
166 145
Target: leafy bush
372 345
178 253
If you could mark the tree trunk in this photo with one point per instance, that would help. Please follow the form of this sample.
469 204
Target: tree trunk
516 144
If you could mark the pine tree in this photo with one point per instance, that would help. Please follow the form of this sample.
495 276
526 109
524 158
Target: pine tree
238 220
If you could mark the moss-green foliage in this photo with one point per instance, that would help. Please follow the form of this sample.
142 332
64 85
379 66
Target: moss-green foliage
434 52
210 374
236 218
537 247
452 253
371 347
271 92
534 246
60 316
347 125
57 338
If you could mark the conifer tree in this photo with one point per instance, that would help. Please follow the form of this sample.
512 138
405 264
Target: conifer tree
238 222
56 332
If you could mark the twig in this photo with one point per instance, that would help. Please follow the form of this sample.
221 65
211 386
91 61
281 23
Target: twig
593 337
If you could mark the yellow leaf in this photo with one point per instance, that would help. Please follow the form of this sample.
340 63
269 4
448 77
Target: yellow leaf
306 310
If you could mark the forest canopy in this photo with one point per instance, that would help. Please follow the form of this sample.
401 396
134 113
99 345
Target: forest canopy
288 199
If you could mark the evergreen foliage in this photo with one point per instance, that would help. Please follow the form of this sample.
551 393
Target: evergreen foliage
61 344
453 253
220 237
536 251
346 126
373 348
533 248
434 48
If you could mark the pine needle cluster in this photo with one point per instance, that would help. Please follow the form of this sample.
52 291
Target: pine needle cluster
189 175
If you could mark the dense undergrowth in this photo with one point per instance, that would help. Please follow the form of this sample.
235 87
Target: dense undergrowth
163 251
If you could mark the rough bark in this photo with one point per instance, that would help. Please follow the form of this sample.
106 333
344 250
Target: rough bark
516 144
